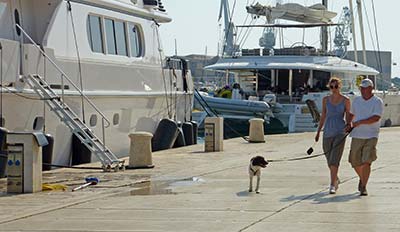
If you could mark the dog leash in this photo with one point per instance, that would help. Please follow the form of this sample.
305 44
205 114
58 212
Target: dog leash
309 156
296 158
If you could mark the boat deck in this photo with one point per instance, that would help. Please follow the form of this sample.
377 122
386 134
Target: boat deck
189 190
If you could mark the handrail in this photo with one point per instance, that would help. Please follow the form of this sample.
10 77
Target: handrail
63 74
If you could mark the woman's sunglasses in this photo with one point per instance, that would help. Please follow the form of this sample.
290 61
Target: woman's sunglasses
333 86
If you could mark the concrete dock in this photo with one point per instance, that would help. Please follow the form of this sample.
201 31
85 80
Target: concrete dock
190 190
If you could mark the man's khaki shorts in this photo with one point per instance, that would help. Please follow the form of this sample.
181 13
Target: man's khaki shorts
362 151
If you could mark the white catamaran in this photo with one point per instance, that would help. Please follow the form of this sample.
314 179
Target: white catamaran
288 76
94 67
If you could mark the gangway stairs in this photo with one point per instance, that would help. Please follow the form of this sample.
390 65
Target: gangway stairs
78 127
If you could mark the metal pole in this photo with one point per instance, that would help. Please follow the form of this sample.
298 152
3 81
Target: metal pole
62 88
311 79
353 28
277 78
176 48
227 77
104 133
359 7
257 83
324 32
273 78
290 84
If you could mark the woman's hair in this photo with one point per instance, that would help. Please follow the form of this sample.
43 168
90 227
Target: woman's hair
335 79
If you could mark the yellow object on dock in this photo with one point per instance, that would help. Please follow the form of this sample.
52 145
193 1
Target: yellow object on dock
54 187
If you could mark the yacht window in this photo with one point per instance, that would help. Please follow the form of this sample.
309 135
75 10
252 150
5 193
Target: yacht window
135 40
120 37
116 37
17 21
116 119
93 120
95 34
38 123
109 25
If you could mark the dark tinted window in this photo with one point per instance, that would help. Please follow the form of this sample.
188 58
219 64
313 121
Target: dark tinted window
110 36
135 40
116 119
116 37
120 37
95 34
38 123
93 120
16 17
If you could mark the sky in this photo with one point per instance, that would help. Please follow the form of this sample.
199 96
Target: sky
196 29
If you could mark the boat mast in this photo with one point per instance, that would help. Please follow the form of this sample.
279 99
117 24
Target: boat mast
324 32
353 28
228 45
359 7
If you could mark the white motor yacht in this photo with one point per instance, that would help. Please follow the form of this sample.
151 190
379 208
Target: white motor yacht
104 61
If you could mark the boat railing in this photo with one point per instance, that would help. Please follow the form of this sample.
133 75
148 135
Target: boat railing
286 99
105 122
292 51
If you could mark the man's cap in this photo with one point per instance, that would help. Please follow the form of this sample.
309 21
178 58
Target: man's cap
366 83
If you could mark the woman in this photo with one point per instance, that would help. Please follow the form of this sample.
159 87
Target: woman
335 109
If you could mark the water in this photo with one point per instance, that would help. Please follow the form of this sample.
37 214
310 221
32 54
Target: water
161 187
200 140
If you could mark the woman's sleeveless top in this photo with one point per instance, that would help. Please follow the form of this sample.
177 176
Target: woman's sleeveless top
334 123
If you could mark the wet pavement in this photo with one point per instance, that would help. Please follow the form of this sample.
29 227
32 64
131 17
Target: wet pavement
189 190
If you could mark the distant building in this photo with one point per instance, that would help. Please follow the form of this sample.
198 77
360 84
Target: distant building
373 60
197 64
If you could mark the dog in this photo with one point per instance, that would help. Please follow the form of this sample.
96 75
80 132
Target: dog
256 163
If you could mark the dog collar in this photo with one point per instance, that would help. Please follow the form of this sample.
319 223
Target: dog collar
254 172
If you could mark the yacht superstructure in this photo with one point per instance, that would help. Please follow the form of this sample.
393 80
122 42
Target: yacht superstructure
288 76
103 57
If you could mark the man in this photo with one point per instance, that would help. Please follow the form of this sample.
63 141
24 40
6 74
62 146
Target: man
367 110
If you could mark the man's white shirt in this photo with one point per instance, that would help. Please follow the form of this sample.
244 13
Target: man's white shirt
364 109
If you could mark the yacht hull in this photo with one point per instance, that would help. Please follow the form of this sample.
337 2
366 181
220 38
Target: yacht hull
126 113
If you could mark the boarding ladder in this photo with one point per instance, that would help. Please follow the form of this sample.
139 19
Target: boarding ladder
79 128
63 111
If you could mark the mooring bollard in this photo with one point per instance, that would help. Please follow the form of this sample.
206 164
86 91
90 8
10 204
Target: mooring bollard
214 134
24 165
256 132
140 154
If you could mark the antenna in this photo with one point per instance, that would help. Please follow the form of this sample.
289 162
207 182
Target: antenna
176 48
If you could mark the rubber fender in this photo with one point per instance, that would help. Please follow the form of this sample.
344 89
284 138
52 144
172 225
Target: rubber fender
180 139
47 153
165 135
80 153
195 131
187 129
3 151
